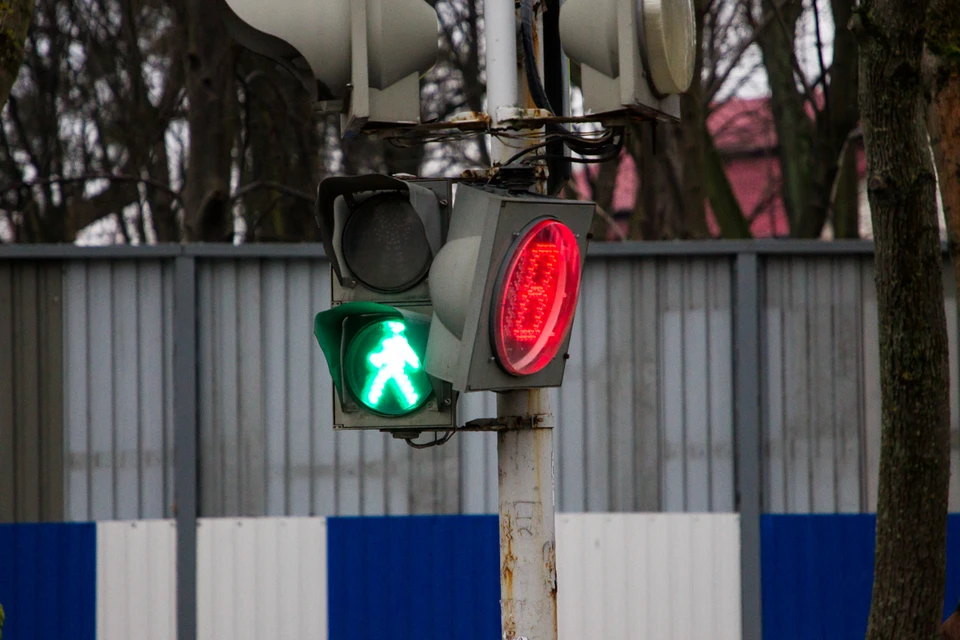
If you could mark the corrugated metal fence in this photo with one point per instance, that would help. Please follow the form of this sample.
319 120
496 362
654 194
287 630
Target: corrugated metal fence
709 377
645 420
624 576
31 392
620 576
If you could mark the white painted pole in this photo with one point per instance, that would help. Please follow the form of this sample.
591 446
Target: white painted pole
528 576
528 557
500 21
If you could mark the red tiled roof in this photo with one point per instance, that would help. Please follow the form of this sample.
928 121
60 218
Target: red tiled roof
743 126
745 135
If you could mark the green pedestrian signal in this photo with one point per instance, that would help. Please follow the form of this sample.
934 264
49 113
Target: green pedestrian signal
376 355
381 235
384 372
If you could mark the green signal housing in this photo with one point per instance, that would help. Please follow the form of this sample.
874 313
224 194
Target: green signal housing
376 355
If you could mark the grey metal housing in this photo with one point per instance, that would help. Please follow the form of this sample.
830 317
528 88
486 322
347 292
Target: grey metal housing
490 220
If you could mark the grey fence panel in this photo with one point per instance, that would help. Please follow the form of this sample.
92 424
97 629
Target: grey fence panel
821 384
697 394
31 392
644 419
478 456
664 329
267 445
118 361
953 336
646 411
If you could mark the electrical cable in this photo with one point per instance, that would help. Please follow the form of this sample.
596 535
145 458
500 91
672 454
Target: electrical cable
602 153
435 443
537 92
592 150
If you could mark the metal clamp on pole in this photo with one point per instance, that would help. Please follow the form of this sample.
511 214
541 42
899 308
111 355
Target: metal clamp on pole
509 423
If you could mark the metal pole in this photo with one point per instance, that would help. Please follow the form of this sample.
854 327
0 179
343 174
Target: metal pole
500 20
528 576
185 442
528 560
748 439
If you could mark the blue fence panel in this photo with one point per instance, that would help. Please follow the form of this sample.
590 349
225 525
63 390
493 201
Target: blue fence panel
818 574
410 578
48 576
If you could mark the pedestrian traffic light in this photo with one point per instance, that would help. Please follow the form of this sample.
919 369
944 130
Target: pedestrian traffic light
504 289
369 54
381 235
427 302
644 57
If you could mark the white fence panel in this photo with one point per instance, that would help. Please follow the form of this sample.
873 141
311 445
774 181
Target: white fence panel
262 578
648 576
136 580
636 576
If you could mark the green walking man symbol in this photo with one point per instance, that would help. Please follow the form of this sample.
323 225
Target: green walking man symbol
392 360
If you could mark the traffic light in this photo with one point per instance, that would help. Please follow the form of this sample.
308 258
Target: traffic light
504 289
427 301
367 53
381 235
643 58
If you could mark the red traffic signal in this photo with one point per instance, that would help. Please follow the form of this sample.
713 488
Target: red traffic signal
504 289
536 297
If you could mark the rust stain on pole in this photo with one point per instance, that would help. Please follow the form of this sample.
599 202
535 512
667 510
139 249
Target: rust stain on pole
550 570
508 562
528 573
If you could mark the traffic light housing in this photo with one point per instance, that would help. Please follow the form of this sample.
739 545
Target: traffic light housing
504 289
643 58
369 54
381 235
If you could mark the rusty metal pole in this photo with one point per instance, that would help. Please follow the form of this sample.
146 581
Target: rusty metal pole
528 576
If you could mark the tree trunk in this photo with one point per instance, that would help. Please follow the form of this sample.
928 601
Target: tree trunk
793 125
910 564
209 67
15 16
943 123
943 115
846 200
726 208
692 127
835 121
951 627
603 187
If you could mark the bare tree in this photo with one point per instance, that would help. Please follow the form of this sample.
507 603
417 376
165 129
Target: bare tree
208 60
82 136
95 141
910 565
814 114
15 18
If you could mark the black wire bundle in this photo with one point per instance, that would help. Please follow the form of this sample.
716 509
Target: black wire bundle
605 147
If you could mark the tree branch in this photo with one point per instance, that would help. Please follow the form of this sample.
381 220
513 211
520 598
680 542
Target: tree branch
62 180
247 189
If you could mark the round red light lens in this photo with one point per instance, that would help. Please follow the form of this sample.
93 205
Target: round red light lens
536 297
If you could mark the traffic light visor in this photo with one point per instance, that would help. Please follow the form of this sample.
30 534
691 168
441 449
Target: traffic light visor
536 297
